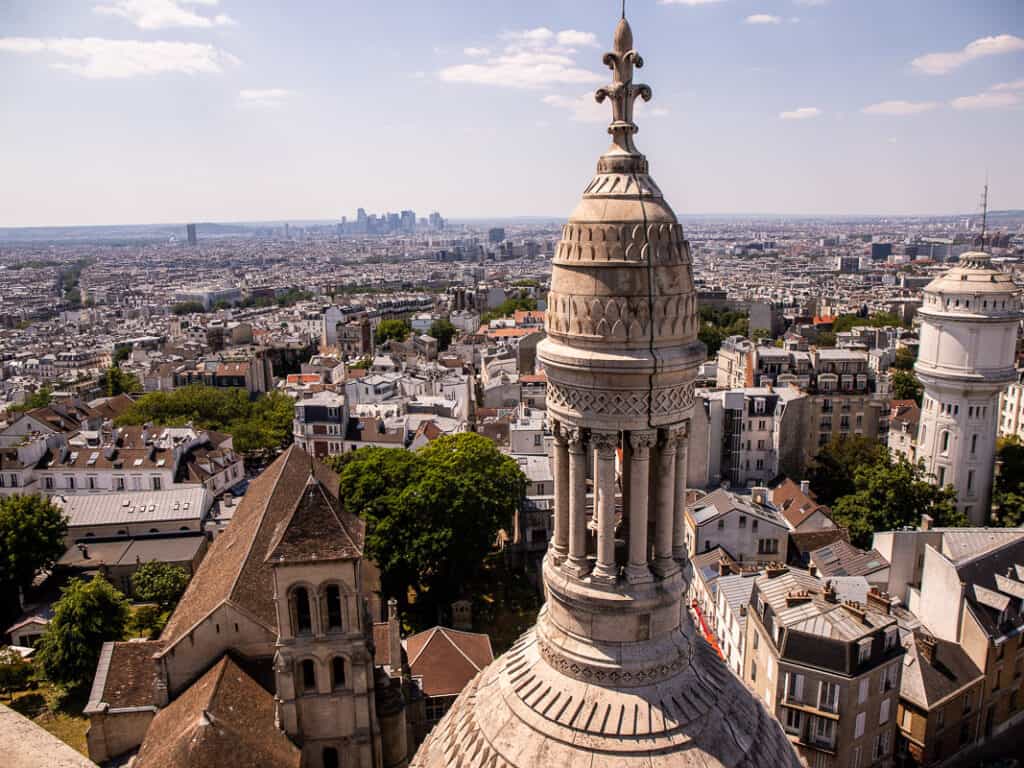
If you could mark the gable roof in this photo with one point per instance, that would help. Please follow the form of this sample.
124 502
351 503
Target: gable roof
447 659
224 718
236 567
924 682
795 505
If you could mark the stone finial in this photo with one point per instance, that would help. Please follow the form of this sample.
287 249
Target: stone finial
623 93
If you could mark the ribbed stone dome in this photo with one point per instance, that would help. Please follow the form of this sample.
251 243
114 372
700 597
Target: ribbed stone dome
614 675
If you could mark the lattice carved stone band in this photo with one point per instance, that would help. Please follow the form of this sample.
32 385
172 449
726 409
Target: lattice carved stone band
667 401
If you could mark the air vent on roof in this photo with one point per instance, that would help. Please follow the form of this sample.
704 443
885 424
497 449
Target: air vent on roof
92 458
126 503
137 463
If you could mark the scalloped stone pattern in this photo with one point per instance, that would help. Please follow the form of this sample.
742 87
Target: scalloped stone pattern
630 242
520 712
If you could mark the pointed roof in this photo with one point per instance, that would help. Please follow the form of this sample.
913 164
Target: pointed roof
447 659
225 718
237 569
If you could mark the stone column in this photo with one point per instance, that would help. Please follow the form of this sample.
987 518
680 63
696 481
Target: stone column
665 506
560 538
577 564
605 443
637 571
679 530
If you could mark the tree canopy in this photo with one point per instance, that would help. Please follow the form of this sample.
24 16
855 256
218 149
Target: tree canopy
889 495
432 515
264 424
509 307
832 471
88 614
906 386
188 308
161 583
719 324
39 399
32 534
391 329
878 320
444 332
1008 492
114 381
905 359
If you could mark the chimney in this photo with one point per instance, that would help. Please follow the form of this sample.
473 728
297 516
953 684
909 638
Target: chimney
723 567
394 638
759 494
926 522
84 550
812 570
805 487
775 569
829 592
927 646
879 600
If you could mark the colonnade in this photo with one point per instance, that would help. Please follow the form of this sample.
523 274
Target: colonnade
661 499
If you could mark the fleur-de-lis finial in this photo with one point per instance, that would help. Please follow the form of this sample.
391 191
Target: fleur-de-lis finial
623 92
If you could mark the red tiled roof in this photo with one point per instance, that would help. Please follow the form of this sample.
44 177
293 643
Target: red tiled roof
447 659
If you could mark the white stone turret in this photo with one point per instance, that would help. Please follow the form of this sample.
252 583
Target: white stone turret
969 323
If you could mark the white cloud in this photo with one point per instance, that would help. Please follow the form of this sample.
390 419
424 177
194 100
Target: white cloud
942 63
989 100
1016 85
762 18
533 58
585 109
161 14
899 107
263 97
98 58
691 3
418 75
803 113
571 37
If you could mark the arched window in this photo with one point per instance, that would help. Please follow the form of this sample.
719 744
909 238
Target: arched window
308 670
945 442
337 672
334 611
330 757
301 616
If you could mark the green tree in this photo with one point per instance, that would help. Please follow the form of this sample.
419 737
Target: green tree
15 672
905 359
88 614
450 496
712 338
121 354
146 621
188 308
905 386
32 534
832 471
444 332
1008 491
160 583
890 495
39 399
509 307
826 339
845 323
391 329
114 381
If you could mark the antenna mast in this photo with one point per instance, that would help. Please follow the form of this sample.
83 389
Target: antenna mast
984 214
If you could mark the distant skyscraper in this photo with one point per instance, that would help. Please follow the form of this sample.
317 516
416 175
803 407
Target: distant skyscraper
496 235
190 231
968 339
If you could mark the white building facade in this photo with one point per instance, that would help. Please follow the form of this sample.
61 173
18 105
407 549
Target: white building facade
969 325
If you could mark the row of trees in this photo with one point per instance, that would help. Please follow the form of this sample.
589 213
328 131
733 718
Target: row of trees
264 424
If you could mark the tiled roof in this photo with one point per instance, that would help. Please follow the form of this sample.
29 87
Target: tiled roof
925 682
224 719
795 505
236 566
126 675
840 558
447 659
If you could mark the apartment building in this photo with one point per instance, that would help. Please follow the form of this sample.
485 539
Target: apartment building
826 658
748 527
320 424
1011 409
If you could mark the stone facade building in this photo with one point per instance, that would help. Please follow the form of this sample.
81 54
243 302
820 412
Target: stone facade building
613 673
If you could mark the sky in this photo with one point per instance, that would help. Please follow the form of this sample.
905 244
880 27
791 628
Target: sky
147 111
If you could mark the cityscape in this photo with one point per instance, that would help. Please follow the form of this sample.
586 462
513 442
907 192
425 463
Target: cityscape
601 480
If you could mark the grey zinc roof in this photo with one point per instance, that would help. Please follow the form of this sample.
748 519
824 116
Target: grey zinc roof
959 544
722 501
926 683
135 507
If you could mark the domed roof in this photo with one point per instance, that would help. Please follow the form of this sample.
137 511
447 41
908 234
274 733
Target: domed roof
972 275
614 674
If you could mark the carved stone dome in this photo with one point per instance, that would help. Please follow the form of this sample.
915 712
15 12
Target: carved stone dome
614 674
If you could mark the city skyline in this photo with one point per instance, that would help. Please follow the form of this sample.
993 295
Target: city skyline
199 110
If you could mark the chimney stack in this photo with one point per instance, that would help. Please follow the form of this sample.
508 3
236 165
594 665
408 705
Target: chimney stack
926 522
879 600
805 487
394 638
829 592
927 646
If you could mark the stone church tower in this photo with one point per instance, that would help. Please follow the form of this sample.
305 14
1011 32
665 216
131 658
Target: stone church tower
613 674
969 323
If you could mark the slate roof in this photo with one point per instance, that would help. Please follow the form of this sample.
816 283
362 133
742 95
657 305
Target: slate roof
843 559
995 601
925 683
722 501
224 719
126 676
237 566
447 659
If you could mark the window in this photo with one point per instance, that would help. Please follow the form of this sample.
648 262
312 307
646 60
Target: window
743 521
794 719
967 703
794 687
858 729
156 483
302 619
824 731
970 479
892 636
757 640
330 757
308 675
537 440
855 758
333 607
48 483
862 692
119 483
974 444
337 672
828 696
753 668
91 483
883 711
71 482
942 476
944 442
888 679
864 651
721 524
